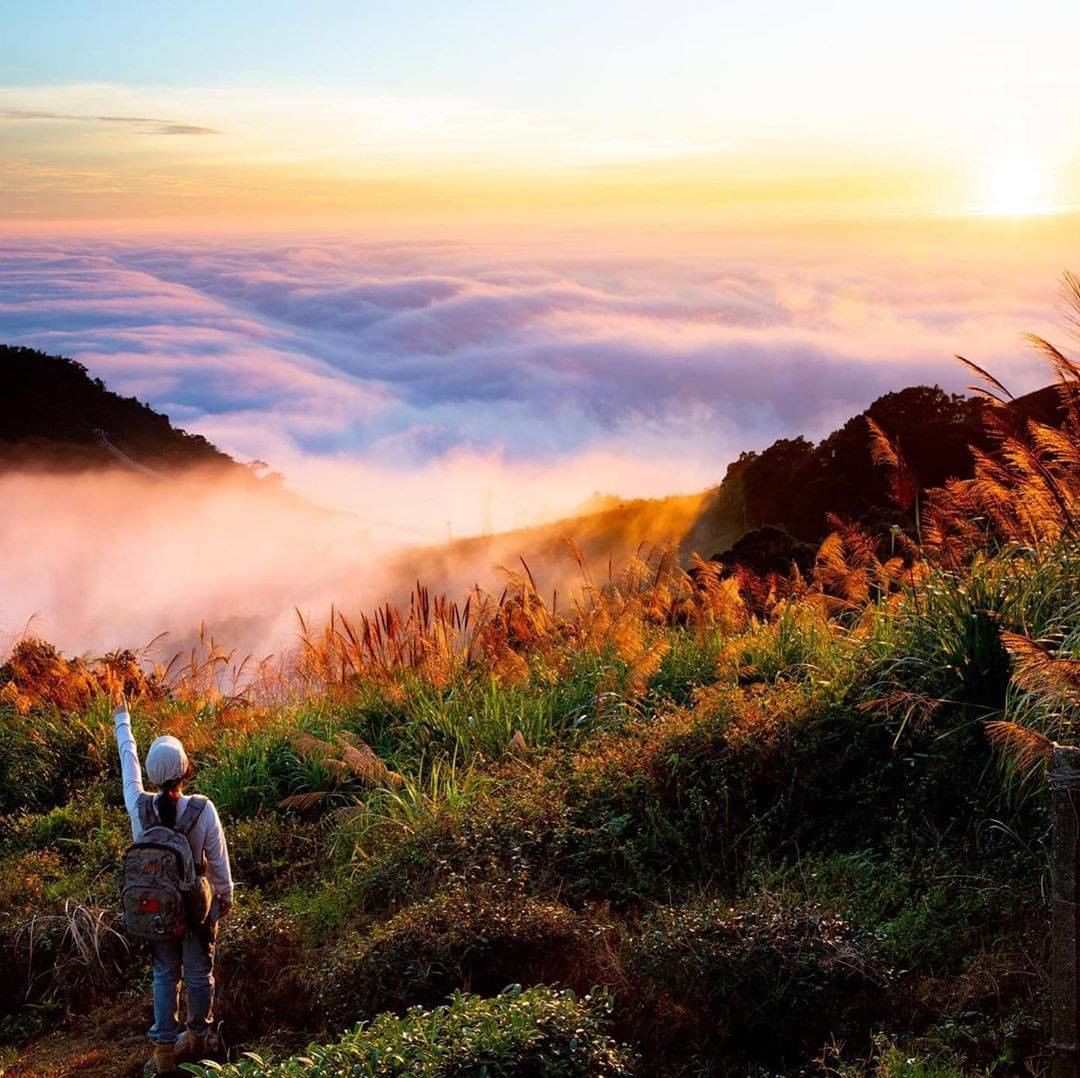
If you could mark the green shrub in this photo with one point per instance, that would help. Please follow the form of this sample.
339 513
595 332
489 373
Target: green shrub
272 852
468 938
517 1034
928 915
890 1060
504 834
759 980
46 756
700 794
263 970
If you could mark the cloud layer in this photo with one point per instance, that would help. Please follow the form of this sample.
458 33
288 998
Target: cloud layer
434 386
403 353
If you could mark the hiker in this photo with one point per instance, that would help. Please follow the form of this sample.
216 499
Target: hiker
190 945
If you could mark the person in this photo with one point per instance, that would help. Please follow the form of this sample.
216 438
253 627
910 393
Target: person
191 957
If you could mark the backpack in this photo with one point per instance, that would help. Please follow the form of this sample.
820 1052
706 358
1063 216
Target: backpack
164 892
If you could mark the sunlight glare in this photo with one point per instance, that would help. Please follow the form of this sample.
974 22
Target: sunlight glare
1015 186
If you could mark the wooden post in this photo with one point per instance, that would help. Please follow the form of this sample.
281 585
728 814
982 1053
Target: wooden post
1065 922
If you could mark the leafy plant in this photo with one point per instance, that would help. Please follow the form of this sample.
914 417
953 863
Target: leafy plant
534 1032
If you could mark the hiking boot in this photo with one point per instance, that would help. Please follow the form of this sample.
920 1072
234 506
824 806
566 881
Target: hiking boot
163 1061
189 1046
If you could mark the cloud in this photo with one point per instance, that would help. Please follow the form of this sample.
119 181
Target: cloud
637 368
428 387
147 124
166 127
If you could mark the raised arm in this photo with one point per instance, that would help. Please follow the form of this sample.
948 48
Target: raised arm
129 759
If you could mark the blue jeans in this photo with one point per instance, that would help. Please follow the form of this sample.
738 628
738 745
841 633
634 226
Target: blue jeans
193 957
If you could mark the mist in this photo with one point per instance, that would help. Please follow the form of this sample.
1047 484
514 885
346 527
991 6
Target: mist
101 560
104 560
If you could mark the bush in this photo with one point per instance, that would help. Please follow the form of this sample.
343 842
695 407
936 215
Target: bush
472 939
537 1033
697 794
46 756
503 834
765 979
263 962
271 851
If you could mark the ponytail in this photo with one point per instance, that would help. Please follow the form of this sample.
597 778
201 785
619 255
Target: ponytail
165 806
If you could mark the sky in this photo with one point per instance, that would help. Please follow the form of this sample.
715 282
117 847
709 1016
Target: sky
459 266
277 113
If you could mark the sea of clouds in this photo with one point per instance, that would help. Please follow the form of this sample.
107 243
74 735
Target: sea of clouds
435 386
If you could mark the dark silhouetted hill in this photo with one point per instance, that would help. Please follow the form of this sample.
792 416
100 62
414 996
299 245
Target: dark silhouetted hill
54 415
795 485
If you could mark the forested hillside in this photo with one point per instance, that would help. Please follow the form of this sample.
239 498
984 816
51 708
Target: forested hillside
54 415
771 509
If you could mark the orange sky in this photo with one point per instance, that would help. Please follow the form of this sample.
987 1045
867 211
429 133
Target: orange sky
270 115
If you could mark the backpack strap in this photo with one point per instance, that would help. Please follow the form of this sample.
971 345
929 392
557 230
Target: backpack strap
196 804
148 816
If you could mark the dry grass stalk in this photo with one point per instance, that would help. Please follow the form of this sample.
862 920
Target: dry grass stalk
1028 490
1025 748
903 484
347 759
1036 669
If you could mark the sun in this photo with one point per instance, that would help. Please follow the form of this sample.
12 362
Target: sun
1014 186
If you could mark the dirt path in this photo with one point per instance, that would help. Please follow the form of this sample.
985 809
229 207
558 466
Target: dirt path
110 1042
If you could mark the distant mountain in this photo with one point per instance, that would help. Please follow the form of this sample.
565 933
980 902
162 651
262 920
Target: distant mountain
54 415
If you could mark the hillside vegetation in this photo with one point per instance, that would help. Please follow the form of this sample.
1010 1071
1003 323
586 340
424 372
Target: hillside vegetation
53 414
697 821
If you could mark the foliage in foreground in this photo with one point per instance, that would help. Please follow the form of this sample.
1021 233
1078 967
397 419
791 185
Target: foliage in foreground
517 1033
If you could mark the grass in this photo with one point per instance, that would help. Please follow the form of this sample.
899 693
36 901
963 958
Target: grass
755 829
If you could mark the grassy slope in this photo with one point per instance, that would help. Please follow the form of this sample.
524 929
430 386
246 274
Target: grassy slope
749 841
604 538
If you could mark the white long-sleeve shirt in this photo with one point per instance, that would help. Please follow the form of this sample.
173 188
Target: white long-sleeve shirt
207 837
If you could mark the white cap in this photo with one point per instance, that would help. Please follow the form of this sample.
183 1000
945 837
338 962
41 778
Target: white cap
166 760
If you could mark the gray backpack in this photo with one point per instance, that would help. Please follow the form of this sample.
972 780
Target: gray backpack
164 892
